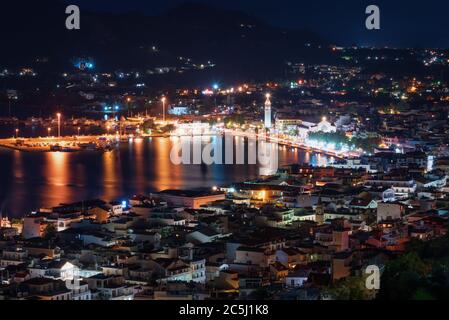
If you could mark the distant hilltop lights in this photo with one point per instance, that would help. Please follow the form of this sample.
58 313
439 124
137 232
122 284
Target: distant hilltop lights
84 64
216 89
111 108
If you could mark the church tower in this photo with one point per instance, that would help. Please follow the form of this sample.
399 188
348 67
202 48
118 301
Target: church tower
319 212
268 123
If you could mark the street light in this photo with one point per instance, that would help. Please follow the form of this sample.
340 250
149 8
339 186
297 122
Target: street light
164 99
59 124
128 101
49 132
17 133
79 129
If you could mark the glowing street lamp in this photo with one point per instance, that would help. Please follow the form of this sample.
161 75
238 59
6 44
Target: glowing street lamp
59 124
163 100
49 132
79 129
17 133
128 101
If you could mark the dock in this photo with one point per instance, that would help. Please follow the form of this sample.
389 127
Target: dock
54 144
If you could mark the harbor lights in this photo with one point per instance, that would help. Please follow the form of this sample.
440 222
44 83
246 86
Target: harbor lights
163 100
59 115
128 103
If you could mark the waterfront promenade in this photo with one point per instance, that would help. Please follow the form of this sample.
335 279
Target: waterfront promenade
49 144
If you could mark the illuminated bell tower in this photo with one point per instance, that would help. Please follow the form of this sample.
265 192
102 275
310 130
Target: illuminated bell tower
319 212
268 124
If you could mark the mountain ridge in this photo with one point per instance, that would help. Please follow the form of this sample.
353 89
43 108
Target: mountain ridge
236 42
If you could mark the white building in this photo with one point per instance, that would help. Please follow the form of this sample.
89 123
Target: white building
268 123
80 291
100 240
296 279
198 269
179 110
402 187
13 257
389 211
205 235
353 164
57 270
324 126
193 129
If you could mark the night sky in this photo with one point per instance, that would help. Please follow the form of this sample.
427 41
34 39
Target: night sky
404 23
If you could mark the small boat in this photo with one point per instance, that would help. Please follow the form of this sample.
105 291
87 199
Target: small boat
89 146
56 148
70 149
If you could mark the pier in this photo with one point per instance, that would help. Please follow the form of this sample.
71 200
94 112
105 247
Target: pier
54 144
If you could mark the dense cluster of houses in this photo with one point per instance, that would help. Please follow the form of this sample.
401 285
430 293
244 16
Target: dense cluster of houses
287 236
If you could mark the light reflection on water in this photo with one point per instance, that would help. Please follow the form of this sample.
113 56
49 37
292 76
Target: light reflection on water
32 180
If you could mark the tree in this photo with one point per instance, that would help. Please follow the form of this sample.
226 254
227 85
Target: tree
234 119
421 274
148 125
260 294
335 137
423 294
168 128
403 277
50 232
351 288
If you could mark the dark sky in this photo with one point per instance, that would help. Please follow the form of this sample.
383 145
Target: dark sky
403 23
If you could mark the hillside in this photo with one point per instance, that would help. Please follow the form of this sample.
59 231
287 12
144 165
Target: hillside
241 46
